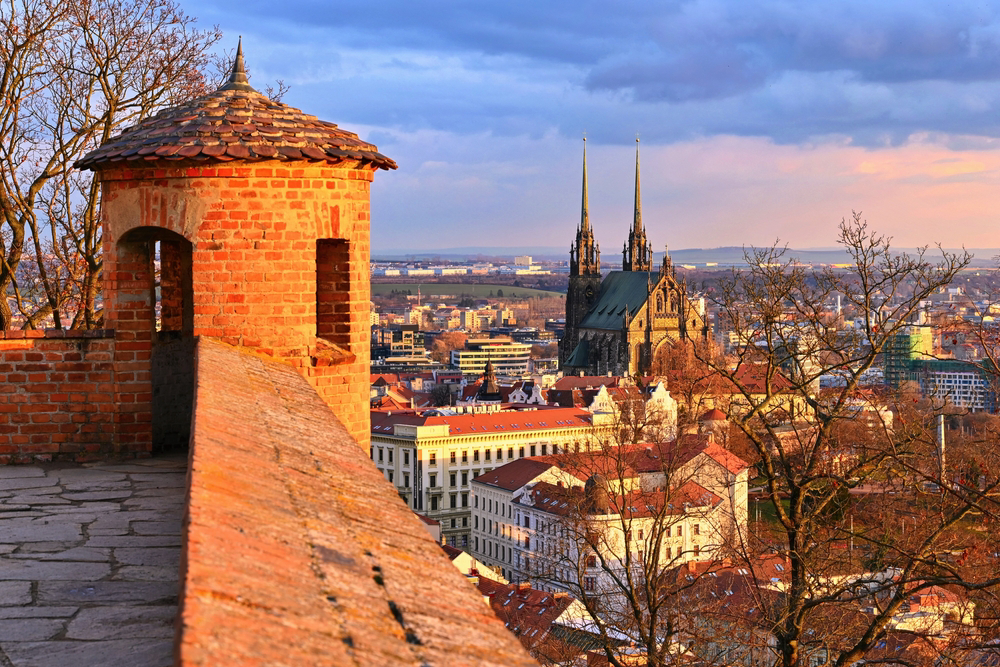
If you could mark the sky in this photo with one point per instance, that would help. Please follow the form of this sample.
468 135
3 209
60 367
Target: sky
760 121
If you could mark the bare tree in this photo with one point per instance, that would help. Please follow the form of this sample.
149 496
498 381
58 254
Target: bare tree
74 74
624 517
863 514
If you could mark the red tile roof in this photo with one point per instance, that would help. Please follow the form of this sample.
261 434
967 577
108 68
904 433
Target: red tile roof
514 475
503 421
233 123
526 612
586 381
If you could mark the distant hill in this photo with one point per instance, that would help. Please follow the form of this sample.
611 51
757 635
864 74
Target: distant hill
724 256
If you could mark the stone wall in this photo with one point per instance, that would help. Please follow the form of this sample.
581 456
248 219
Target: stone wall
57 397
298 552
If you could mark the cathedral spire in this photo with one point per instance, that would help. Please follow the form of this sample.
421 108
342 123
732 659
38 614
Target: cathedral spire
584 256
637 218
637 255
585 207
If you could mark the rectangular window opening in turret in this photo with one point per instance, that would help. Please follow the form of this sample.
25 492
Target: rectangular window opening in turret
172 286
333 291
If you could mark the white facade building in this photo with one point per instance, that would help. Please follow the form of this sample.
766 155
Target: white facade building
530 517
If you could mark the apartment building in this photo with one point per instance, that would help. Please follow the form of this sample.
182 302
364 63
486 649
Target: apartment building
533 519
509 358
432 456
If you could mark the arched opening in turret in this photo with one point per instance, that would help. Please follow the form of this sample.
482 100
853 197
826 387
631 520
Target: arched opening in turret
154 301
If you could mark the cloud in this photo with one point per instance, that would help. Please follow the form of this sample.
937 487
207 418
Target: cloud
783 69
762 119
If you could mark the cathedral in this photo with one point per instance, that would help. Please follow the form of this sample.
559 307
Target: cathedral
618 325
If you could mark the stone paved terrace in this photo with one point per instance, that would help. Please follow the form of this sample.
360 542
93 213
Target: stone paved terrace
89 563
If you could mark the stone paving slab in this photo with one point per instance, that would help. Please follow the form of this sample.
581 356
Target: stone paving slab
89 563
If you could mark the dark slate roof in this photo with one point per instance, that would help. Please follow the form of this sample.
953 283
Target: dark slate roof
233 123
619 288
580 357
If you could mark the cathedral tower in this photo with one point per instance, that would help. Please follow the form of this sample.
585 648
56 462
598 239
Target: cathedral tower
584 273
637 255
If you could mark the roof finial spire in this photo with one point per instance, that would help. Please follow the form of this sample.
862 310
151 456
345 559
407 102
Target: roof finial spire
238 76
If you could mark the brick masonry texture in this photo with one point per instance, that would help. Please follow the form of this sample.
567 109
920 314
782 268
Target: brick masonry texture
57 397
298 552
256 233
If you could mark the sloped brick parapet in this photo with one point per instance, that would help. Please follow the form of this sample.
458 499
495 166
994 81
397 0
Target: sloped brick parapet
297 551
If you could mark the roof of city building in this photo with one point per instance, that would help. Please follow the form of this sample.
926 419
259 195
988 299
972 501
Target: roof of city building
498 421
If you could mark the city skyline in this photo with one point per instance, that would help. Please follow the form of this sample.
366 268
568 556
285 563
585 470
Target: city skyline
758 122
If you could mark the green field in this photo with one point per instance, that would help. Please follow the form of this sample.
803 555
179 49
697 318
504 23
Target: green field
458 289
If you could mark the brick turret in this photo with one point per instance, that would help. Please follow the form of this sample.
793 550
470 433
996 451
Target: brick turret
260 215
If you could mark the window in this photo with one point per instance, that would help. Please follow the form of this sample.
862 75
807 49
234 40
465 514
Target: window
465 479
640 533
433 481
488 452
406 457
465 500
465 456
453 457
333 279
451 480
520 452
380 455
697 529
527 542
371 453
475 501
591 561
433 459
475 522
697 550
465 522
545 447
499 454
527 521
680 530
475 456
533 450
465 540
510 453
406 480
434 503
589 583
390 456
453 498
452 523
390 475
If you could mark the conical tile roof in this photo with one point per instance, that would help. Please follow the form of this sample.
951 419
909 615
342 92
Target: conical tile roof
233 123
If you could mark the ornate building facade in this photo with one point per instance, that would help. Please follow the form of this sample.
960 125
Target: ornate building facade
617 325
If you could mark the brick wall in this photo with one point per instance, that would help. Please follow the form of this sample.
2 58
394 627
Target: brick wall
298 552
57 398
261 236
